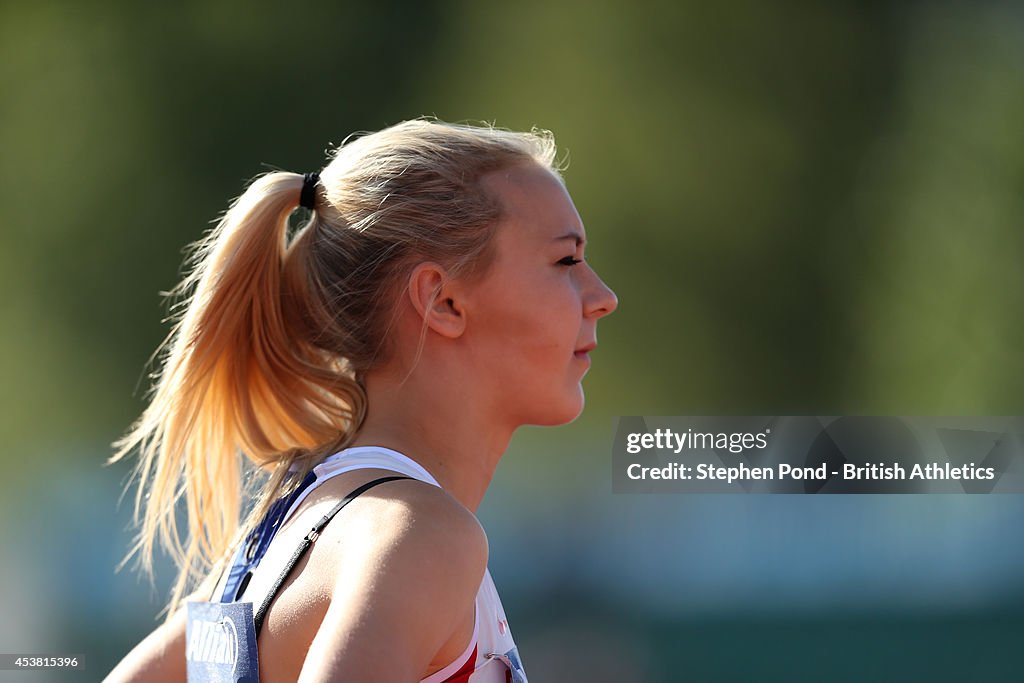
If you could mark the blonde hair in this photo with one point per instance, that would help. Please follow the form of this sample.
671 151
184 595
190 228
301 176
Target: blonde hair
272 336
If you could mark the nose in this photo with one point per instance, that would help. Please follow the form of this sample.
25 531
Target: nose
599 300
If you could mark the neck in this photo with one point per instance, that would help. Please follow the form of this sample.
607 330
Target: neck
436 424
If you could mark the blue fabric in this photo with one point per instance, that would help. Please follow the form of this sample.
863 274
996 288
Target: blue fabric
258 541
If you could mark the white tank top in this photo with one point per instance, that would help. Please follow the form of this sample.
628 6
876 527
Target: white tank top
491 656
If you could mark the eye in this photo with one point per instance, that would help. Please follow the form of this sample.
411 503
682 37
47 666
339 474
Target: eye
569 261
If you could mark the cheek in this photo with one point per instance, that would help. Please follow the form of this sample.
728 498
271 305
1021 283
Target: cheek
545 334
524 336
533 321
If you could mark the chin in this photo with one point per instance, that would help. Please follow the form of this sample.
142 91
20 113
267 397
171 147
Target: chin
562 413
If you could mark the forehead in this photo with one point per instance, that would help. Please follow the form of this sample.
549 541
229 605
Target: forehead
536 207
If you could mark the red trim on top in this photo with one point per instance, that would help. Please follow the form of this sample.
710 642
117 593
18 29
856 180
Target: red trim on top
467 669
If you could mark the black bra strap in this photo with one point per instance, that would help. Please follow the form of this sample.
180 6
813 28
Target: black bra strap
308 541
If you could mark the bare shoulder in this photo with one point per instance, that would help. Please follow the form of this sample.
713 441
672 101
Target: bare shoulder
416 511
413 560
400 516
406 524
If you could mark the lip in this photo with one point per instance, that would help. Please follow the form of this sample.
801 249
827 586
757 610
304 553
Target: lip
583 353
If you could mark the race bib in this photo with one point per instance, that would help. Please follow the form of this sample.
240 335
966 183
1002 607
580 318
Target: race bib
220 643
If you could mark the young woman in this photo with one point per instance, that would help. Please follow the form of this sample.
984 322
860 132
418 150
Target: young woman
436 300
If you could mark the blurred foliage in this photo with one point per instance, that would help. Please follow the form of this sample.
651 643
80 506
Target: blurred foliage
802 207
805 208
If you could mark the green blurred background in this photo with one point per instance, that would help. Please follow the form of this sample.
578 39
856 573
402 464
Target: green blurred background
805 208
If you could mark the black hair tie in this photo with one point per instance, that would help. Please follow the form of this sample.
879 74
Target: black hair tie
307 199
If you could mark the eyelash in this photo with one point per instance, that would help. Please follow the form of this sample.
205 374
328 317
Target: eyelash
569 261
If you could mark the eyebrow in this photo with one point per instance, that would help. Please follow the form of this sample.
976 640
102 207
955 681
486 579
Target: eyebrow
575 236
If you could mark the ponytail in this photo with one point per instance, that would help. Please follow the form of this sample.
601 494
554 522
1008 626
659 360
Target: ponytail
239 375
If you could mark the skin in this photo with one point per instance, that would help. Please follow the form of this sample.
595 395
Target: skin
388 595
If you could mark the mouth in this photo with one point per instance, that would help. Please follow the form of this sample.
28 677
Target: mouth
583 353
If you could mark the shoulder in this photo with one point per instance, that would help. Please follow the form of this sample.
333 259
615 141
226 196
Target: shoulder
409 566
412 521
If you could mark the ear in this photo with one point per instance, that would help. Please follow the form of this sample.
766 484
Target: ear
434 296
